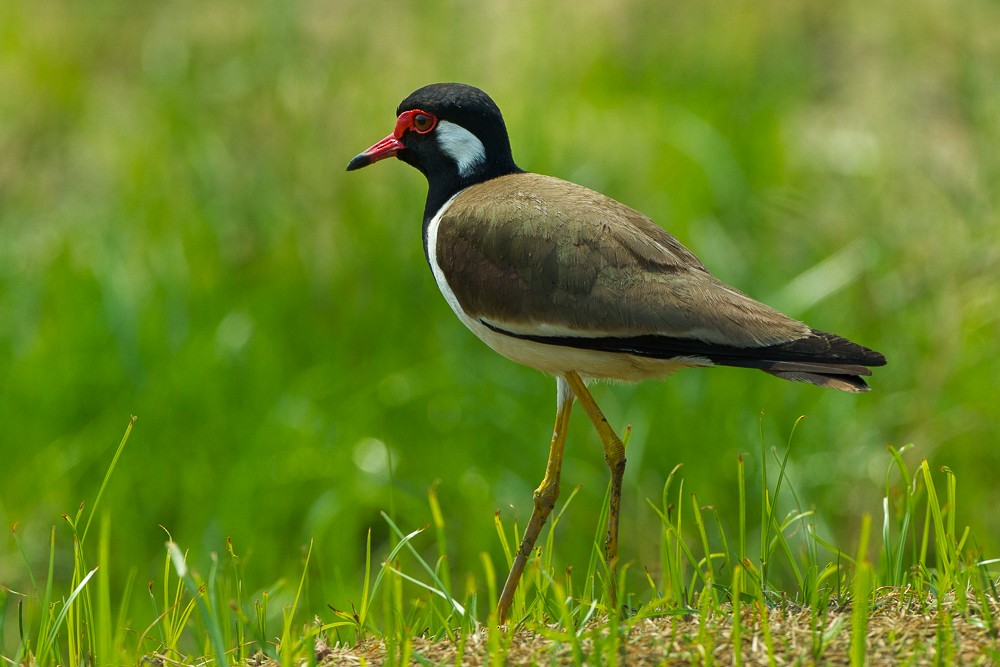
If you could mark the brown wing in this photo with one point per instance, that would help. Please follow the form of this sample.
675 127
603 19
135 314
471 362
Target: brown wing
538 256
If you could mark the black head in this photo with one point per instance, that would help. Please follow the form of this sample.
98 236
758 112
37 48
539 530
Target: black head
453 133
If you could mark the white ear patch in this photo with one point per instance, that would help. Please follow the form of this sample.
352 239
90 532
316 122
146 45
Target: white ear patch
460 145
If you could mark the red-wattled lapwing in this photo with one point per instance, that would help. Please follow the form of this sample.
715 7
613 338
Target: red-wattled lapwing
558 277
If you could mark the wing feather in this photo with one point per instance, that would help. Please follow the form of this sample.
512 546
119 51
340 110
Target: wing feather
537 255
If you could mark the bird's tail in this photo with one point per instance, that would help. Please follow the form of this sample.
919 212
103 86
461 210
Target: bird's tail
854 384
823 359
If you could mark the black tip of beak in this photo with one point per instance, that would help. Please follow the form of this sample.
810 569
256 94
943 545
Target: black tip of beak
359 161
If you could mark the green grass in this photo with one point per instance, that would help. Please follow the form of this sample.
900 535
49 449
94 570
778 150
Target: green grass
179 241
408 610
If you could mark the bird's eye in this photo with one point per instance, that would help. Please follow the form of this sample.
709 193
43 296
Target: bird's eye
423 122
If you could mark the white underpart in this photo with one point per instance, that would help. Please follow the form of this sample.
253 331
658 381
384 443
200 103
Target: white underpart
553 359
460 145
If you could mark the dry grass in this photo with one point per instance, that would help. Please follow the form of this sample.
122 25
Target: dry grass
902 630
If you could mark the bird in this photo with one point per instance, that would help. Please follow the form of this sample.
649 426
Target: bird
563 279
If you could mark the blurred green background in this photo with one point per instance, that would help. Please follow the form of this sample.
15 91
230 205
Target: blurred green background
179 241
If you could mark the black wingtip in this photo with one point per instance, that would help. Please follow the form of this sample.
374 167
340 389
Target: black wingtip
839 349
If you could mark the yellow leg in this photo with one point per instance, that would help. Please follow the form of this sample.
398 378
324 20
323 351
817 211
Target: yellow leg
614 456
545 499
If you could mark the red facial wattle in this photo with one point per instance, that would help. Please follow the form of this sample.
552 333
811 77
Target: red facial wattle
416 120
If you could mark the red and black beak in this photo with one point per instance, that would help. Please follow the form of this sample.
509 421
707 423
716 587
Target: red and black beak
388 147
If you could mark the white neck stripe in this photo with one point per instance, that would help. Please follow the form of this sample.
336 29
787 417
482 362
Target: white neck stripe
460 145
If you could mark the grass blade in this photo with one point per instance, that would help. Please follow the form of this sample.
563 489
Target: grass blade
107 477
859 604
208 615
